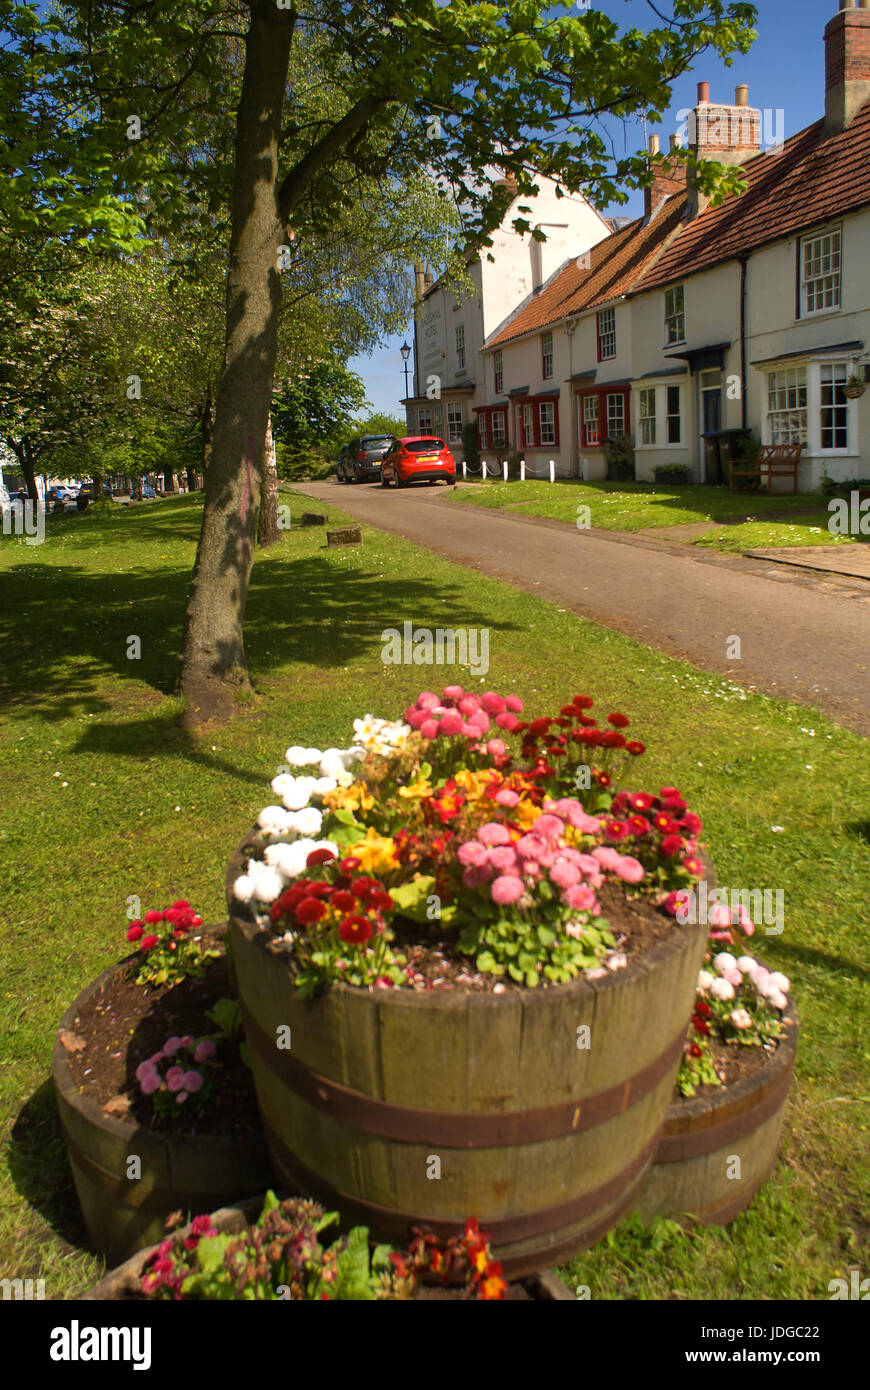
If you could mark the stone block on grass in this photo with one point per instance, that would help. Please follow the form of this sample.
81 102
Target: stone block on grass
345 535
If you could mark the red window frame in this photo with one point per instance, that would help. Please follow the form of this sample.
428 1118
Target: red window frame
536 402
602 392
485 413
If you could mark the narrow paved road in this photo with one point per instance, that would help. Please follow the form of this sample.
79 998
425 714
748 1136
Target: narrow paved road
804 636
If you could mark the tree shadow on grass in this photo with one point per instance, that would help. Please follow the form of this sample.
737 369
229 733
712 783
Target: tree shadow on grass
67 633
39 1167
823 960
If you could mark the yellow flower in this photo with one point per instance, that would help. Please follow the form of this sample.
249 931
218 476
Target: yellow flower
376 853
352 798
417 789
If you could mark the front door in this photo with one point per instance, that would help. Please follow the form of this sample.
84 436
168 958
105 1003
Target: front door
711 421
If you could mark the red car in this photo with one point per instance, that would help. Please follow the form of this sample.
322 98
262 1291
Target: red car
418 458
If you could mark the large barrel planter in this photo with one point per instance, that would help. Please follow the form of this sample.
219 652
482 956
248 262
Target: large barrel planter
406 1109
694 1174
190 1173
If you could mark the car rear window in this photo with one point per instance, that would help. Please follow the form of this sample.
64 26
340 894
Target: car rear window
425 446
376 441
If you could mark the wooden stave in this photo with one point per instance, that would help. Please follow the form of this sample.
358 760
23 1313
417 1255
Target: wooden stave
700 1133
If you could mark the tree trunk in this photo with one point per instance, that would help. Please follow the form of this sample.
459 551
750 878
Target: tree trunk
191 479
137 488
267 525
207 420
28 468
213 665
97 480
169 484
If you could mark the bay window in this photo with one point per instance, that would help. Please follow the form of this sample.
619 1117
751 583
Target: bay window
646 415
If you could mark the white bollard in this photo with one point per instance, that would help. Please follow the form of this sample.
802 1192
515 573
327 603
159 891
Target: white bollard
504 470
522 470
484 470
463 468
552 470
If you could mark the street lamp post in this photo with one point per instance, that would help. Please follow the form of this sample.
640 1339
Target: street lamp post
405 350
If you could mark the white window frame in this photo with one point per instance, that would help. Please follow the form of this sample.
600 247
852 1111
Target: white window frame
482 436
591 427
460 347
787 404
646 417
498 369
675 315
547 423
499 428
606 334
814 370
529 425
547 356
424 414
614 396
821 290
839 375
454 434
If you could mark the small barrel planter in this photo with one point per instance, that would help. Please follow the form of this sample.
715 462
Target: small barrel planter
405 1109
123 1283
192 1173
694 1173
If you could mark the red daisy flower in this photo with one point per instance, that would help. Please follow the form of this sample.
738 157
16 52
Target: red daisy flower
635 747
319 856
671 845
618 721
356 930
310 910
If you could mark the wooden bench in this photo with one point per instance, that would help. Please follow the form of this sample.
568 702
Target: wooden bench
774 461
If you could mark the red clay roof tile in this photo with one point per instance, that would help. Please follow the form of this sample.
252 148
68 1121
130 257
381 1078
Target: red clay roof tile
805 181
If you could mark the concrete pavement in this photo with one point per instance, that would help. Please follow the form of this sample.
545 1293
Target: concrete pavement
804 636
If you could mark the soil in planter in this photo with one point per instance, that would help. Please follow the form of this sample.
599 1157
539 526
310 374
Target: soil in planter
738 1062
127 1023
636 924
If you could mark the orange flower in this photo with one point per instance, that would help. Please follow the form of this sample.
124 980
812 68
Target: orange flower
493 1286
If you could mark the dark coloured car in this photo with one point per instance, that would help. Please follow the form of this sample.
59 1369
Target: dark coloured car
360 460
418 458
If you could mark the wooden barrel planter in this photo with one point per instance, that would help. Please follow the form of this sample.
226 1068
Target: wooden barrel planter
703 1134
193 1173
123 1283
405 1109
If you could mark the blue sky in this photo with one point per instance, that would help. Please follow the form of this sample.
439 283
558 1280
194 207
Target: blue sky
785 70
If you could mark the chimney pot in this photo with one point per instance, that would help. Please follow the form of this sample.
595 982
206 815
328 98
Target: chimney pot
676 142
741 95
703 92
653 144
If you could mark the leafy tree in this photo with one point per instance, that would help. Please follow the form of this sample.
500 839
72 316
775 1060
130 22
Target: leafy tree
454 87
379 423
313 416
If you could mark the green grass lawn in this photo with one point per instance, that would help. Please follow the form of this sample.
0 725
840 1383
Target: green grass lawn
107 798
628 506
761 535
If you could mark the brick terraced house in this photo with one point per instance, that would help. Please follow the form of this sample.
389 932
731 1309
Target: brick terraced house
695 319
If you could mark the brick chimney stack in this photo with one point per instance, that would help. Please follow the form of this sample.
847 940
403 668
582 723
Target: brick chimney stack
847 65
728 134
669 178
